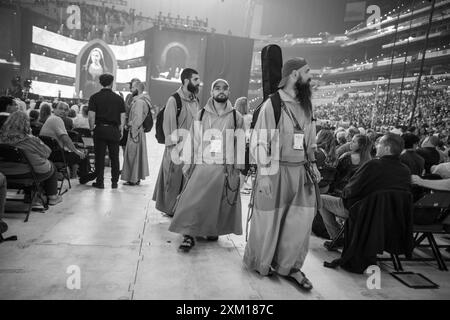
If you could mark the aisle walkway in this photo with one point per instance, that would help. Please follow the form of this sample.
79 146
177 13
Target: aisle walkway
123 250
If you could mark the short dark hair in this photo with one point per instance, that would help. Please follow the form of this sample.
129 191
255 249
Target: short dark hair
395 143
410 139
133 80
72 113
85 109
106 79
187 74
5 101
34 115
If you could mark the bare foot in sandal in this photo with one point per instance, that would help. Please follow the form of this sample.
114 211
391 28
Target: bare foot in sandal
301 280
187 244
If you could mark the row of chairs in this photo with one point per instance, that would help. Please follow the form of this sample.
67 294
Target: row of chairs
14 156
27 181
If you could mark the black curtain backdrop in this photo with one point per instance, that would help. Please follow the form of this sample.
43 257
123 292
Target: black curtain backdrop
229 58
10 19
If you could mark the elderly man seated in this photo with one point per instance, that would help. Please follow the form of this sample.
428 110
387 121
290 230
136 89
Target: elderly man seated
54 128
384 172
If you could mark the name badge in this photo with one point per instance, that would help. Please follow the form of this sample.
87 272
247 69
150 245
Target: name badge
216 146
298 141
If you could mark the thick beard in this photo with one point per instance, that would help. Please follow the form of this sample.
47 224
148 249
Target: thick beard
220 100
191 88
303 95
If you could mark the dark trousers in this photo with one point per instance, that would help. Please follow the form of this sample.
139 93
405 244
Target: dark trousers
106 136
71 159
2 195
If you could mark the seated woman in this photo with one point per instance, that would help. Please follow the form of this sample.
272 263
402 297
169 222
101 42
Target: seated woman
82 121
16 132
349 162
34 123
326 158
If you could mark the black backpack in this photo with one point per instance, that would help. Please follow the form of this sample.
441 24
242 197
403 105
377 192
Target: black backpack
276 104
160 119
148 121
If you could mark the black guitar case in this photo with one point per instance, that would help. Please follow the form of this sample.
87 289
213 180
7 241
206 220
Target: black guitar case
271 64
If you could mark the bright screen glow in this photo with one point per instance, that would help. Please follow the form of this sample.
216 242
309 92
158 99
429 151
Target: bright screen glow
45 64
56 41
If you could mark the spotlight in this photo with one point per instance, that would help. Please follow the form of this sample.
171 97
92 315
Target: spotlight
27 83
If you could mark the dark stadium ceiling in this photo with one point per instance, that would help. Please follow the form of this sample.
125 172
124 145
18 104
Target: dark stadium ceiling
308 17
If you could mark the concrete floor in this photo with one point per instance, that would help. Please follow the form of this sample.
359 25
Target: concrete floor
123 249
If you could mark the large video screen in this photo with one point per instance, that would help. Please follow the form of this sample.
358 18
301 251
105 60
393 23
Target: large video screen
92 59
174 51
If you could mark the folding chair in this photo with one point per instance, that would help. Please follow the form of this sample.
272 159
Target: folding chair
83 132
75 136
10 155
357 211
437 206
87 144
59 159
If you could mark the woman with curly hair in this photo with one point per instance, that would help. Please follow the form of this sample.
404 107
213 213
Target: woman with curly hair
16 132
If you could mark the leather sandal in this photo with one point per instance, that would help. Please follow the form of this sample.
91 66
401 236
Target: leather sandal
187 244
129 183
304 284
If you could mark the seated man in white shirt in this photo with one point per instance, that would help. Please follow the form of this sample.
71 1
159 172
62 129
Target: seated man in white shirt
54 128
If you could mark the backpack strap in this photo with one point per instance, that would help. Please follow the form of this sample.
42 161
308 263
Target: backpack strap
177 98
276 104
201 114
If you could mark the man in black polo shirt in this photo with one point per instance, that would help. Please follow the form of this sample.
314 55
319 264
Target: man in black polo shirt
106 119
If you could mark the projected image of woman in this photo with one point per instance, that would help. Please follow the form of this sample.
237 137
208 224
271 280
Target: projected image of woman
93 68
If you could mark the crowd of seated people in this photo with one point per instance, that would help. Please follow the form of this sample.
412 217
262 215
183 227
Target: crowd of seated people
370 110
16 132
399 159
25 125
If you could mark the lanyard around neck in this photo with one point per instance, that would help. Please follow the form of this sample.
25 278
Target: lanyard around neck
291 116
